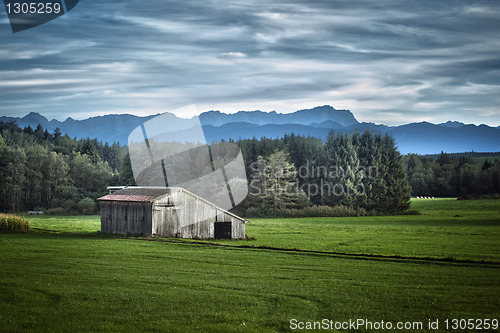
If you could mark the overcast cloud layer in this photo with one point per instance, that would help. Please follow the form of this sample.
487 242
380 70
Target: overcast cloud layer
389 62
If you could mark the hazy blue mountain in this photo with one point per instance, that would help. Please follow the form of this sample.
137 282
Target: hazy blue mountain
303 117
370 127
328 124
247 131
422 138
116 128
34 118
427 138
109 128
453 124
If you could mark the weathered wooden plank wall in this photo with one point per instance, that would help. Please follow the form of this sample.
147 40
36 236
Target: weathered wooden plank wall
190 217
121 217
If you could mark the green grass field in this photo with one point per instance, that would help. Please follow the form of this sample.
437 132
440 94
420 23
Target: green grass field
64 276
447 228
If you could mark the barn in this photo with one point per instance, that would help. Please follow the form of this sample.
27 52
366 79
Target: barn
167 212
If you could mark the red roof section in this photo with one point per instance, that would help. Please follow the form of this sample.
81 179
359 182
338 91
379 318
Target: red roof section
118 197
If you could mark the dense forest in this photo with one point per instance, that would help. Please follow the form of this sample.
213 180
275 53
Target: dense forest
358 171
361 172
453 175
49 171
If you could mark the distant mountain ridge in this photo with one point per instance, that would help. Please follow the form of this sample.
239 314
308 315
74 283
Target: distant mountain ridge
116 128
421 138
303 117
110 128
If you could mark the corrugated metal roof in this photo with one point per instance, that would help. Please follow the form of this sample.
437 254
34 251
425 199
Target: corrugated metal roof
136 198
149 191
136 193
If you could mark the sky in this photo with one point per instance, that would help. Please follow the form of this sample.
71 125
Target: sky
388 61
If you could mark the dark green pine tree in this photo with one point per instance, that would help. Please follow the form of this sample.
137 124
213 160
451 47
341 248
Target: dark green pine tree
397 189
126 177
367 165
344 177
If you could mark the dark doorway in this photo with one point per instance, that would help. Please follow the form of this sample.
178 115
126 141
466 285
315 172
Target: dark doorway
222 230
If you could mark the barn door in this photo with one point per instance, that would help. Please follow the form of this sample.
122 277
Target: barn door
222 230
166 221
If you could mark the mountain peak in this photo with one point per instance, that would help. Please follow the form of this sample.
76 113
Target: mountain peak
36 116
326 107
452 124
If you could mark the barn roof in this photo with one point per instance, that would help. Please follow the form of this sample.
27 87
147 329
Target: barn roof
147 191
118 197
137 194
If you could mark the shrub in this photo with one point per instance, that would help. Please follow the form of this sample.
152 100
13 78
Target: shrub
313 211
56 211
13 223
70 206
86 206
412 212
479 197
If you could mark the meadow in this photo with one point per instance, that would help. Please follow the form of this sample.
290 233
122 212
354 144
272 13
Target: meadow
443 264
447 229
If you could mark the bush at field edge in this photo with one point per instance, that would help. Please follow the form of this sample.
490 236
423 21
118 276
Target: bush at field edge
313 211
13 223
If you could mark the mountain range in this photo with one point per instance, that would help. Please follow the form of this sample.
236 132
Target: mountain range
421 138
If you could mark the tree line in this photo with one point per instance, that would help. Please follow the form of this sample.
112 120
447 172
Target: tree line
453 175
355 171
50 171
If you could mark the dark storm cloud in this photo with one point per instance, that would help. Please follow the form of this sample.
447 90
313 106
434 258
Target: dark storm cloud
481 71
388 61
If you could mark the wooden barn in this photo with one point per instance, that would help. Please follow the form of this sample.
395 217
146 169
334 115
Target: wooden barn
167 212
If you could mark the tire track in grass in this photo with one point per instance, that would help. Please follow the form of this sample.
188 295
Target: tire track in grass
360 256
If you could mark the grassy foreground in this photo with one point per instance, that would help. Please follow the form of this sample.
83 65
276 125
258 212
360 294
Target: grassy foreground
64 276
